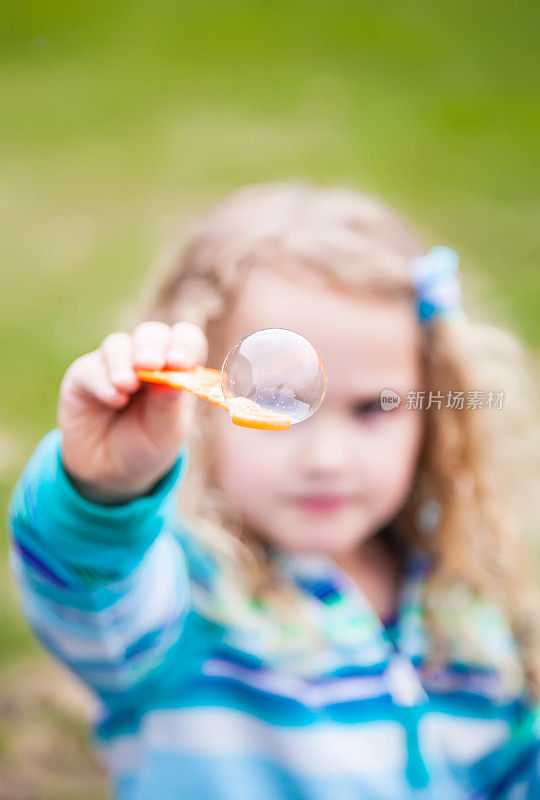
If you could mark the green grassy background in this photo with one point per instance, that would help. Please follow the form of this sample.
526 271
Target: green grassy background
120 121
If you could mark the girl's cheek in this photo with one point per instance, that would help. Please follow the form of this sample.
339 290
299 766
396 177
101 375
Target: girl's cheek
244 465
391 446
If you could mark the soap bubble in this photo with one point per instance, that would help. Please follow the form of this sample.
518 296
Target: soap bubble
279 370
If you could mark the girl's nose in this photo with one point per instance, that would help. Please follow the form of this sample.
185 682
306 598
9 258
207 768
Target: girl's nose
325 447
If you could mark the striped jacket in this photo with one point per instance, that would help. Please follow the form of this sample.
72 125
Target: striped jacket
197 709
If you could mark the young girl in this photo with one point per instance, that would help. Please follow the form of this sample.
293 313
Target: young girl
340 610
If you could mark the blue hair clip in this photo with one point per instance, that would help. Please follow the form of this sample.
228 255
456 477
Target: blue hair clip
437 281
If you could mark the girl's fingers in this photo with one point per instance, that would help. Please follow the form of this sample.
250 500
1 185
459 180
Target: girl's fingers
117 352
188 346
88 375
108 373
150 343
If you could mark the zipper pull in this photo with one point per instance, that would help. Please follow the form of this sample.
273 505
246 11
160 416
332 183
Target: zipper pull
403 682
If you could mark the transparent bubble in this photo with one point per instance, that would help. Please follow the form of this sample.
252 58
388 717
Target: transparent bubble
279 370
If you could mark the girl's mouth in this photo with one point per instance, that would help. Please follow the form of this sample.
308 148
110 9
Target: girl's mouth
321 503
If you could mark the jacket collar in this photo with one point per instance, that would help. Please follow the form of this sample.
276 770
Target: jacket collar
349 623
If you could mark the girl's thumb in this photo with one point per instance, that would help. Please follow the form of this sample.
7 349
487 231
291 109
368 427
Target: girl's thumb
167 413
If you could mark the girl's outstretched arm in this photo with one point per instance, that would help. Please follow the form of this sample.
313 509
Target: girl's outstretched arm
103 577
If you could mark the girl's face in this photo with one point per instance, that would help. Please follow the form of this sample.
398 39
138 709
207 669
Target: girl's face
331 482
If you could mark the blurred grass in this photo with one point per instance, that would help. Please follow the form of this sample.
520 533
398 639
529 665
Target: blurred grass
44 748
120 121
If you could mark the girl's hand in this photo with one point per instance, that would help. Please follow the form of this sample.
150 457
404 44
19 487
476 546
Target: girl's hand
121 436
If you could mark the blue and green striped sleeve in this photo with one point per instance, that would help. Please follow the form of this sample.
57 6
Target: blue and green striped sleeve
105 588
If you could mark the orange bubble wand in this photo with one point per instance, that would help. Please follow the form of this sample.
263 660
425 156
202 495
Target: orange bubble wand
286 365
205 383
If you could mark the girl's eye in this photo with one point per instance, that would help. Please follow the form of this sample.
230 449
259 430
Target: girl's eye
367 408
